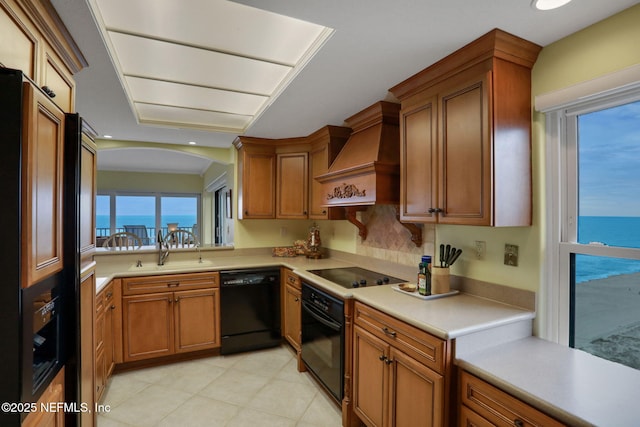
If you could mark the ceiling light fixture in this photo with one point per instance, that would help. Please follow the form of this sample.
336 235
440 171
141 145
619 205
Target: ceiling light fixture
107 136
548 4
192 143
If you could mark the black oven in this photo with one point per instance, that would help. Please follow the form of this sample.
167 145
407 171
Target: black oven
41 344
323 338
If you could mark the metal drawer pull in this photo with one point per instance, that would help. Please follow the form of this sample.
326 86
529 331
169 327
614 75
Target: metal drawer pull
382 357
389 332
388 361
170 284
518 423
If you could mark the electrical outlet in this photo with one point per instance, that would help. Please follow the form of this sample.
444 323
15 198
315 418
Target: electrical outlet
481 248
283 231
511 255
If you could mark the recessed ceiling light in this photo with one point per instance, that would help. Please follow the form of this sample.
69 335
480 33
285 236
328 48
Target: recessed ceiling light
548 4
107 136
192 143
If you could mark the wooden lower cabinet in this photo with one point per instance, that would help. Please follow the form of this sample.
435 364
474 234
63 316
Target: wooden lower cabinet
54 394
292 314
195 316
87 345
398 372
105 331
482 405
162 324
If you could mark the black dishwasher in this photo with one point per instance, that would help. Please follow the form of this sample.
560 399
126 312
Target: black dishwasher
249 309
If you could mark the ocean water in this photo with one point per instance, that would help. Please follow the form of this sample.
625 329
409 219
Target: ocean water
611 231
102 221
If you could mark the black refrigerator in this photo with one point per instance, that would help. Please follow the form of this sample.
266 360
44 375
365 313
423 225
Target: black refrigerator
39 332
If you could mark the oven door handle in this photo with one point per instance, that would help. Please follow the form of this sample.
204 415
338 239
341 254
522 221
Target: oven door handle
320 317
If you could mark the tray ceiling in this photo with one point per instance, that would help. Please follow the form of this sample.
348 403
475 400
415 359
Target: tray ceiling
205 64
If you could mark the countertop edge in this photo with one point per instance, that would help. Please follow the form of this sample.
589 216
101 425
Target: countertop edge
575 389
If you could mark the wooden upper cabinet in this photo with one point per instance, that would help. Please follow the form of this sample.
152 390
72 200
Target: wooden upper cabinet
257 181
43 140
19 41
292 193
88 185
326 143
57 80
465 128
33 39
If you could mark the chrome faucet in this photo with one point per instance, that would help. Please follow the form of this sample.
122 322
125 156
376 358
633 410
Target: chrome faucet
163 248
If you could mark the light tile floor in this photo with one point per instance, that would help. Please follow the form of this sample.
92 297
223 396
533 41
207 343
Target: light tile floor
257 389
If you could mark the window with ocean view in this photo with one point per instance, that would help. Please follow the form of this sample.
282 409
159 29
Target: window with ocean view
604 266
146 214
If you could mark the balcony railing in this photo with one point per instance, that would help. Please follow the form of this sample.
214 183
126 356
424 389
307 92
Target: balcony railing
103 232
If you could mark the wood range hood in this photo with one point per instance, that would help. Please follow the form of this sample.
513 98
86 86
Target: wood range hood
367 170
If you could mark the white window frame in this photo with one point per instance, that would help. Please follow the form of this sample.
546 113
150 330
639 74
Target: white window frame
562 205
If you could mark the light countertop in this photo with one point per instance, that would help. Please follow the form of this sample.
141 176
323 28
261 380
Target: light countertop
492 338
571 385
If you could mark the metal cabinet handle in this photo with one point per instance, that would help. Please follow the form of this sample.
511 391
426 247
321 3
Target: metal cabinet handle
109 294
297 299
434 210
324 212
389 332
170 284
518 423
177 299
382 357
113 307
48 91
388 361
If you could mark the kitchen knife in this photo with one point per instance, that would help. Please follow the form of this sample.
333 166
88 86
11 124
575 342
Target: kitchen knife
452 252
455 256
441 255
447 251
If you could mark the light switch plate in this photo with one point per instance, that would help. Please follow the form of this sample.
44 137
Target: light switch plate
511 255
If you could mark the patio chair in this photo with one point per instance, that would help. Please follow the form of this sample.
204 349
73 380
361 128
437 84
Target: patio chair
140 231
123 240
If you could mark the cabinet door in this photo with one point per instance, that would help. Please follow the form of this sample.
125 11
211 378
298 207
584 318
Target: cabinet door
19 41
419 162
58 79
108 325
196 319
292 186
53 394
468 418
147 322
42 147
370 378
258 185
416 393
292 316
465 153
87 195
87 346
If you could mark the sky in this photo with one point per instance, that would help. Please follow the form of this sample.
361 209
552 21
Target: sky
141 205
609 168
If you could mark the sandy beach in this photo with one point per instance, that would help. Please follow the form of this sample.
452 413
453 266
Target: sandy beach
608 318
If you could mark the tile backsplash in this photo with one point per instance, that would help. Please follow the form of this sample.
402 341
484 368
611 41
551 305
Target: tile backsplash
389 240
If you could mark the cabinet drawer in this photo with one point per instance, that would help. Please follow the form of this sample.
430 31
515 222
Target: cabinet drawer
171 282
291 279
417 343
498 407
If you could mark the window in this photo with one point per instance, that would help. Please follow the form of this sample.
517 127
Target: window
146 214
594 226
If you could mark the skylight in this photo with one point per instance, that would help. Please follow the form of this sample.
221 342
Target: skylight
203 64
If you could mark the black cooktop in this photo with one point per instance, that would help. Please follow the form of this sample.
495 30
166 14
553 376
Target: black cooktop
355 277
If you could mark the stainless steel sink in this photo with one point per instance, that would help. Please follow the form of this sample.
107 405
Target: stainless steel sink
172 265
